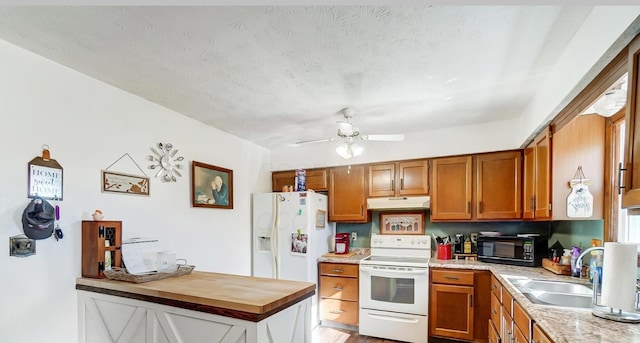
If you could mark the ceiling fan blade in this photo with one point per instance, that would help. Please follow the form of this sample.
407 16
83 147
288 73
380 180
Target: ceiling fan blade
315 141
390 138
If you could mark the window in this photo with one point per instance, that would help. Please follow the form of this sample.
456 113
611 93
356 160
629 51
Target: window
626 224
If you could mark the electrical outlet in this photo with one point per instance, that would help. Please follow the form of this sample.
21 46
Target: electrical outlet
354 236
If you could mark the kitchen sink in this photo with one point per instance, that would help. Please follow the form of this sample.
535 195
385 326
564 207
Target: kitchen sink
560 299
554 293
555 286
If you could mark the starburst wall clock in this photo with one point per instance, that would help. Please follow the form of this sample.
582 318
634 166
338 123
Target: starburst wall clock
166 162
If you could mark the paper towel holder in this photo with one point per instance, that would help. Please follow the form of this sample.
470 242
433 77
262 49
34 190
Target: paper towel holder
610 313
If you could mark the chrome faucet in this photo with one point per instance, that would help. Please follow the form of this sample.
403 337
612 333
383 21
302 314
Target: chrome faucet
596 277
578 264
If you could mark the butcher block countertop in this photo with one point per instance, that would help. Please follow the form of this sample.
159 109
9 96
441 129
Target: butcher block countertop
237 296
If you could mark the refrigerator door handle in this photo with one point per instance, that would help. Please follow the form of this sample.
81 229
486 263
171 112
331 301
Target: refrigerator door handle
274 237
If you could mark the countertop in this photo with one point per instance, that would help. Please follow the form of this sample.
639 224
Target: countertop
243 297
354 259
563 325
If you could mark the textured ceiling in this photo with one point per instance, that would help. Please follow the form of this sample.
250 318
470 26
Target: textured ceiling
276 75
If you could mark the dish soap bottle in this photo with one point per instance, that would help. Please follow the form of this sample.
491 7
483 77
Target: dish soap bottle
575 270
595 265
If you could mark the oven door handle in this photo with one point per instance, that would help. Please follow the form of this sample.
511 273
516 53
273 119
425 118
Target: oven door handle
394 271
393 319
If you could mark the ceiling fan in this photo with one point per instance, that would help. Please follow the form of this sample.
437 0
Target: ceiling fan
348 134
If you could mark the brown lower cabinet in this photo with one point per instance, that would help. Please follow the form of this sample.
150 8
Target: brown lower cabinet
539 336
459 304
339 292
509 322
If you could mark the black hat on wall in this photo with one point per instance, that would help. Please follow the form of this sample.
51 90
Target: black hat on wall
38 219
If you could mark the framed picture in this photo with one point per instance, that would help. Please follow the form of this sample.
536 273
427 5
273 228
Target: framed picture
45 179
211 186
402 223
299 243
124 183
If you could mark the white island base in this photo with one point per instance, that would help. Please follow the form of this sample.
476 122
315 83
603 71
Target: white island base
107 318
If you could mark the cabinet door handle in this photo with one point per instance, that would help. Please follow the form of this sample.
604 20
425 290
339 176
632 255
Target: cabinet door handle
401 183
494 311
338 271
451 278
336 311
471 300
337 288
393 185
533 203
468 206
361 210
620 186
480 207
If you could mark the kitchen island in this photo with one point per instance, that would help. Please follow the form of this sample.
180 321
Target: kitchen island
197 307
562 324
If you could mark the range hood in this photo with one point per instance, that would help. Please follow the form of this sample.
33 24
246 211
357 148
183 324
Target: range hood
398 203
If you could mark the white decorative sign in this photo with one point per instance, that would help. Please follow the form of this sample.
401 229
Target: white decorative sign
580 200
45 182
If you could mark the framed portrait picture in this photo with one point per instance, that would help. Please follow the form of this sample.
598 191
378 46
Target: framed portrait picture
211 186
402 223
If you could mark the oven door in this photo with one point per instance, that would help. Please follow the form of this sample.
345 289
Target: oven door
394 288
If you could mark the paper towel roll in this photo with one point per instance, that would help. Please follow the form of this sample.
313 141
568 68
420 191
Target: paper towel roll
619 276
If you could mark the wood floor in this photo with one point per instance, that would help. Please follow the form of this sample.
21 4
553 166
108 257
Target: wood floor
325 334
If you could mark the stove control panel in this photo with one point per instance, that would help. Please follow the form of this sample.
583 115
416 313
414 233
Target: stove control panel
400 241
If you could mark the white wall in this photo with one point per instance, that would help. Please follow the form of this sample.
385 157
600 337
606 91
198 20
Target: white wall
493 136
88 125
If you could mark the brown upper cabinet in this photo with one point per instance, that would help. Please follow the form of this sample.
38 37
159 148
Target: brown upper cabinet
498 188
399 179
580 143
536 191
631 173
317 179
494 193
347 190
451 188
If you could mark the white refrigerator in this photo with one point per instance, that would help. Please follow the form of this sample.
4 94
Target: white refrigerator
290 232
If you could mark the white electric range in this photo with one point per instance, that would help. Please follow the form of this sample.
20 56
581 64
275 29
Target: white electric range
394 288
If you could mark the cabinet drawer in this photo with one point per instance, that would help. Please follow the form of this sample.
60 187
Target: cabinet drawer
345 312
341 288
518 336
496 287
539 336
507 301
452 277
339 269
521 319
495 312
494 337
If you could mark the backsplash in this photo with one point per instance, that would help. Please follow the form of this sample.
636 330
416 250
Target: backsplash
568 233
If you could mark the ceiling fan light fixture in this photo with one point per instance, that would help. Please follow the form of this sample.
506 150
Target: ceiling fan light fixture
349 150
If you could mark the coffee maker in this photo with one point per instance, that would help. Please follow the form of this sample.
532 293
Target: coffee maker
342 243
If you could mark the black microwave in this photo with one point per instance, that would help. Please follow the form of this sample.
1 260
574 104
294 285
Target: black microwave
522 250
